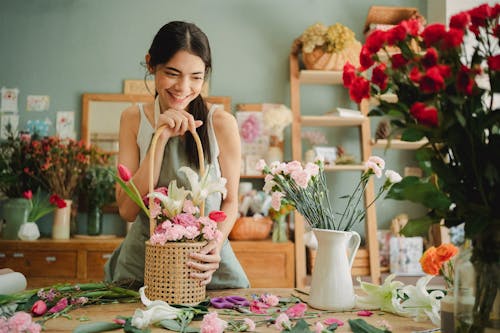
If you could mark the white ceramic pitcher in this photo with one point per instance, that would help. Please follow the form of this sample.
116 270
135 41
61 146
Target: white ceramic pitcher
331 286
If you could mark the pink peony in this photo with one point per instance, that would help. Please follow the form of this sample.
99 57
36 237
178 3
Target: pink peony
211 323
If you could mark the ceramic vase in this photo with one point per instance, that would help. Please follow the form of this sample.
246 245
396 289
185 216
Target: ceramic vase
62 221
331 286
28 231
15 212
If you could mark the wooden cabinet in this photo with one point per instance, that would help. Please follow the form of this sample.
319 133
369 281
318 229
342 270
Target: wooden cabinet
46 261
367 259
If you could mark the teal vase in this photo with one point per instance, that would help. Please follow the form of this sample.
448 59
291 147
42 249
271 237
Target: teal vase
15 212
94 221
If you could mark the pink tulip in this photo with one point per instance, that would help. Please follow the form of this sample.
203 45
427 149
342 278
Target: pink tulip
61 305
364 313
124 173
28 194
217 216
39 308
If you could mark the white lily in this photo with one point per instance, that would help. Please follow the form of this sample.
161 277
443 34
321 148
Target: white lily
156 312
420 303
174 201
201 189
383 297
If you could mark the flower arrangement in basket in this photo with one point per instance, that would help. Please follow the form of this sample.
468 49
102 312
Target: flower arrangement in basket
178 227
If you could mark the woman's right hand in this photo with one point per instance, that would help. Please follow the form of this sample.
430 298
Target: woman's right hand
177 123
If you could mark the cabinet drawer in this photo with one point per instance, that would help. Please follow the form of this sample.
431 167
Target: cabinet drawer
40 263
95 264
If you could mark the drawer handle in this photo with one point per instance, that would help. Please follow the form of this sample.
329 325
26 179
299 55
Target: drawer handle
18 255
106 255
51 259
2 255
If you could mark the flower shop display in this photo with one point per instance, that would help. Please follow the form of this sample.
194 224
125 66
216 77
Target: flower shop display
305 187
328 48
38 206
276 118
445 94
178 227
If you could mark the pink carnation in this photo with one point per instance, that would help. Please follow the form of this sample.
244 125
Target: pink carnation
270 299
189 208
301 177
282 322
318 327
276 200
250 323
185 220
211 323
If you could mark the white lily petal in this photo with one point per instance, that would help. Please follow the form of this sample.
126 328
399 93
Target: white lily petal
421 304
384 297
144 299
144 318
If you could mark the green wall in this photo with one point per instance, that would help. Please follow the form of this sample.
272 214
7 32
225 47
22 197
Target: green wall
63 48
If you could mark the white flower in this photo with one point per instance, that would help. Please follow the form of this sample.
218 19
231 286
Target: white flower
156 311
276 119
383 297
174 201
261 164
393 176
369 165
201 189
422 304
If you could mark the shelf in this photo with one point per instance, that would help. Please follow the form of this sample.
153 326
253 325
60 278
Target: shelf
398 144
320 77
329 121
345 167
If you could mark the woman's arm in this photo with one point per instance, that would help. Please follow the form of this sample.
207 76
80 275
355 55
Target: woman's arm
228 139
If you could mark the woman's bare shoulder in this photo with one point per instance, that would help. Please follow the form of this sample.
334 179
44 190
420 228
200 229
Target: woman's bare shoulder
224 122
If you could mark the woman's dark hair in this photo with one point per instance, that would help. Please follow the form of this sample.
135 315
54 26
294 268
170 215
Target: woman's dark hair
182 36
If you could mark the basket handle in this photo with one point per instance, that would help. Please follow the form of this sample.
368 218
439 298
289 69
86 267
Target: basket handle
201 160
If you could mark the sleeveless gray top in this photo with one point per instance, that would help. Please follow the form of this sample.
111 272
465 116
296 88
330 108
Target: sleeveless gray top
126 264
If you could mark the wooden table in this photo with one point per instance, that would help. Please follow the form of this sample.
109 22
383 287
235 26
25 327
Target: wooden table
110 311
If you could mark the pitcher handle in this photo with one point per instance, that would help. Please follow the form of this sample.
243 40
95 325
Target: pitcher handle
354 243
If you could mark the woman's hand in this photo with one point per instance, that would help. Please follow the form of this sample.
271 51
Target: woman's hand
209 258
178 122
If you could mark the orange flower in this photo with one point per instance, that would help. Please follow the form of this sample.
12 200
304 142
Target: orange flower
446 251
430 261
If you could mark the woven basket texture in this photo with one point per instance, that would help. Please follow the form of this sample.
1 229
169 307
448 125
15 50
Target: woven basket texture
249 228
167 275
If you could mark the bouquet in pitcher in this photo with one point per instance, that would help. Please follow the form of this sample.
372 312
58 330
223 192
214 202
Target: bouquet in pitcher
178 212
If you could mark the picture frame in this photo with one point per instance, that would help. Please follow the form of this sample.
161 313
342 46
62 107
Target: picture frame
329 154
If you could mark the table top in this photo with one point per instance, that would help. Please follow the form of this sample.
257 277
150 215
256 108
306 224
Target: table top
106 313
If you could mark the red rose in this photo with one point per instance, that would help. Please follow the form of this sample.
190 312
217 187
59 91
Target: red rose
479 15
124 173
398 60
496 31
432 80
217 216
415 75
495 11
494 62
425 115
460 20
360 88
57 201
433 34
365 58
375 40
396 34
412 26
349 74
430 58
453 38
379 77
444 70
28 194
464 82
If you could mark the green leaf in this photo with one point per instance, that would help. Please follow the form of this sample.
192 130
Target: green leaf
96 327
418 227
421 191
171 324
361 326
412 135
300 327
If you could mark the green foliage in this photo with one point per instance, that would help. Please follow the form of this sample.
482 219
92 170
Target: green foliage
99 185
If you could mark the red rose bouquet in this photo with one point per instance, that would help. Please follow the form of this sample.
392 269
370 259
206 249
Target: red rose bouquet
445 94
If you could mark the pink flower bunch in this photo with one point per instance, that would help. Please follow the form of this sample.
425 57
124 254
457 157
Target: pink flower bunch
211 323
250 129
314 137
20 322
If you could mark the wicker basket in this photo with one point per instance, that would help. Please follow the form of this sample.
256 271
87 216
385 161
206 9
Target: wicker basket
322 60
249 228
166 274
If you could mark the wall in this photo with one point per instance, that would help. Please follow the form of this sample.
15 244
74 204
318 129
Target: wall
64 48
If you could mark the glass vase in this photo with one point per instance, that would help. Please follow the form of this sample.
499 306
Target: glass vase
15 212
279 230
94 220
477 271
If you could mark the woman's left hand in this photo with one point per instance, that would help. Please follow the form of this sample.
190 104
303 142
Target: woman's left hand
209 258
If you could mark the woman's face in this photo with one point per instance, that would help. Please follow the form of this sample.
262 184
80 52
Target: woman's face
180 80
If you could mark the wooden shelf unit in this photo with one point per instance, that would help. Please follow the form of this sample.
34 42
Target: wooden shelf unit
369 264
397 144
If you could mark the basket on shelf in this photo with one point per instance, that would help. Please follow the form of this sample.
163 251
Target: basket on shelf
250 228
166 273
